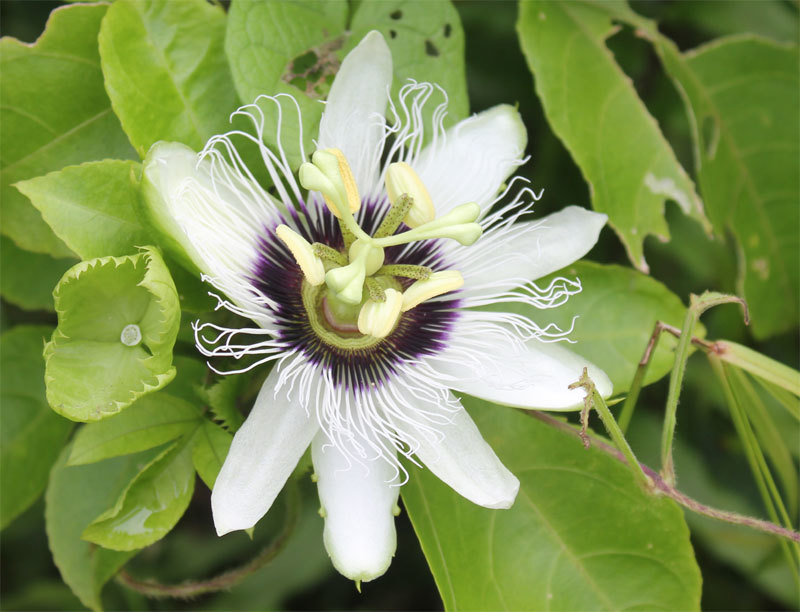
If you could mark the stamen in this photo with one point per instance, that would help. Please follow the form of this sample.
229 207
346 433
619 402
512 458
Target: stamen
458 224
330 174
376 292
394 217
406 271
402 180
377 319
438 284
326 253
303 253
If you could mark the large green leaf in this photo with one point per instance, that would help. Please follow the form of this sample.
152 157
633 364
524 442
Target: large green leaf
93 370
614 316
152 420
27 279
754 554
296 47
582 535
742 96
32 435
55 112
593 107
165 70
75 495
91 206
150 505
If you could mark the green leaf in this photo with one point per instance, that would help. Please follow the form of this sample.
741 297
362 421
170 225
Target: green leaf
264 39
55 112
165 70
150 505
581 535
741 97
296 48
90 373
75 495
31 436
427 44
616 312
209 449
593 108
151 421
91 207
27 279
755 555
222 401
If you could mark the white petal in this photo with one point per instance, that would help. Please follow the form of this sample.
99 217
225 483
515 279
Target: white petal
358 502
527 251
472 161
354 113
465 461
536 376
264 452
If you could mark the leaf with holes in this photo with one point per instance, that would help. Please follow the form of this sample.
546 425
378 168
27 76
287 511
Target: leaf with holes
55 112
91 207
582 535
741 97
165 70
118 318
31 436
296 48
594 109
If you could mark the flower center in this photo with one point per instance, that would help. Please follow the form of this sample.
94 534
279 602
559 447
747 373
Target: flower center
360 292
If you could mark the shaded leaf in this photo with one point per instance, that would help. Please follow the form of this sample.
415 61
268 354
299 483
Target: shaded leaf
91 207
150 505
222 401
90 373
150 421
55 113
32 435
594 109
742 97
74 496
209 449
27 279
165 70
581 535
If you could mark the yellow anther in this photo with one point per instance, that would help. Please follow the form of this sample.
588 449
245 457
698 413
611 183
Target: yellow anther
438 284
330 174
377 319
401 179
303 253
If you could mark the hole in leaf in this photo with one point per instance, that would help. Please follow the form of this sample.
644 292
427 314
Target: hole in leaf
710 132
431 49
448 29
392 34
396 14
304 62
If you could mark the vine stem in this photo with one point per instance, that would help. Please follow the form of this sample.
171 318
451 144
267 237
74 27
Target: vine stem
662 486
226 580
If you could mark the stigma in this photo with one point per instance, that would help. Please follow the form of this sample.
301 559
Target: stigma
356 280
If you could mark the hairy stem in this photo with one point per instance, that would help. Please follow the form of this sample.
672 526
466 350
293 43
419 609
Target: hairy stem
226 580
665 488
